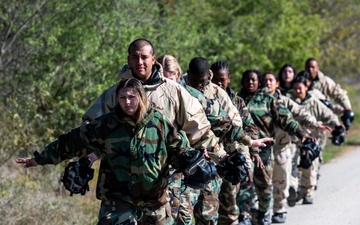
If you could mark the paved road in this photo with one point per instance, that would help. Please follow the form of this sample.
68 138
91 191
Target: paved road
337 200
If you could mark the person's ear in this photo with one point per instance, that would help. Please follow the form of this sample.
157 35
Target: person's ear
210 74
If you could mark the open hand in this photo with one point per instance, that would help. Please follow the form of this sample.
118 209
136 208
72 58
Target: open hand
257 160
262 142
29 162
323 128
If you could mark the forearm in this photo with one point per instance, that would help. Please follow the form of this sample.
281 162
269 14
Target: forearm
67 146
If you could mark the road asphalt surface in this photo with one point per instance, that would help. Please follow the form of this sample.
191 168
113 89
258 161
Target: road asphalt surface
337 199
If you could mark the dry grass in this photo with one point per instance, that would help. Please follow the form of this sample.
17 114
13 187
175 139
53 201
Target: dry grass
35 196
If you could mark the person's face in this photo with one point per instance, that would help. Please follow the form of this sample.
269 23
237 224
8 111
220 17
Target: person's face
141 61
128 101
199 81
251 83
313 68
271 83
300 90
170 75
288 75
221 78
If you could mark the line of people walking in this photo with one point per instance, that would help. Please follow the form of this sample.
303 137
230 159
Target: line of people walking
153 129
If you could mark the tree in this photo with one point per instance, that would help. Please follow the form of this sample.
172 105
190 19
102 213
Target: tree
340 39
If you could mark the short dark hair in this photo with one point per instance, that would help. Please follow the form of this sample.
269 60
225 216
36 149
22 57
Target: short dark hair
220 65
199 66
300 79
272 73
309 60
304 73
140 42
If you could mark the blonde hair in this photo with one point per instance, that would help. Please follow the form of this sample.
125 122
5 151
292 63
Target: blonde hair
144 104
170 64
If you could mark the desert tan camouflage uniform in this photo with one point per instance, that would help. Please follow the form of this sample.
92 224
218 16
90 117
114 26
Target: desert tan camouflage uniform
284 152
331 90
324 114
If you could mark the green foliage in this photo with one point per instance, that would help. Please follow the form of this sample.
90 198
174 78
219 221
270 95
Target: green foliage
339 40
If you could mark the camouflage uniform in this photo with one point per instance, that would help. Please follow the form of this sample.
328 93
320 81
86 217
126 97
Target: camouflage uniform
322 113
171 99
217 118
135 163
175 102
323 135
267 113
207 204
228 208
284 151
214 111
331 90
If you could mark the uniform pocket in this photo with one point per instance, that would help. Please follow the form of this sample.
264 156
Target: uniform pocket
281 157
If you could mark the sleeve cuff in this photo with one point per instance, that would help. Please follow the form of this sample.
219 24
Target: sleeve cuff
40 159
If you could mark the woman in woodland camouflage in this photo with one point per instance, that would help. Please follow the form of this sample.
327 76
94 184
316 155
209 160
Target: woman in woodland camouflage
136 145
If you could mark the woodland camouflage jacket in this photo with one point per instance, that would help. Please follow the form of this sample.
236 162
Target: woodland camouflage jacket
173 101
215 113
248 123
267 113
212 91
300 113
134 158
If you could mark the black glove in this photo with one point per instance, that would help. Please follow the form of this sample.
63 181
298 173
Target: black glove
308 153
77 176
197 170
234 169
347 118
338 135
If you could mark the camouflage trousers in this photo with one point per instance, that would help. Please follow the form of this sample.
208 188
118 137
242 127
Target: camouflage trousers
174 193
263 180
281 176
295 174
308 180
228 209
200 205
119 213
309 177
246 200
322 139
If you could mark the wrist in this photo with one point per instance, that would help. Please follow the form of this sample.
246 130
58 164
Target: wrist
251 142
